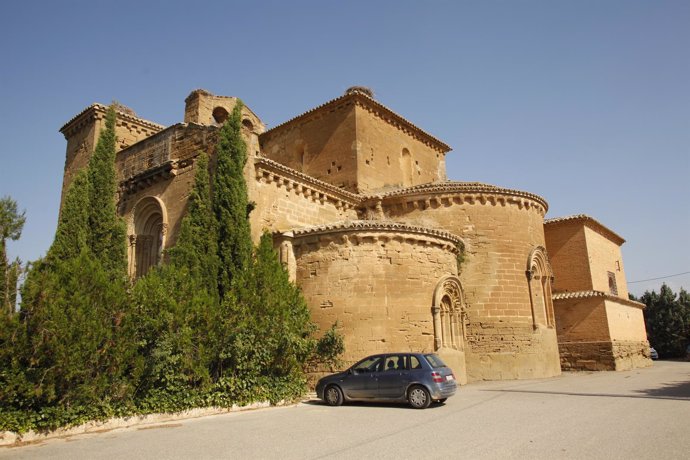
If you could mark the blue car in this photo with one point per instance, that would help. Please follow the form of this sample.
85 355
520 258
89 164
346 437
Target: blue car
416 378
653 354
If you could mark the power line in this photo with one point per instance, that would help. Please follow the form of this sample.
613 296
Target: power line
659 278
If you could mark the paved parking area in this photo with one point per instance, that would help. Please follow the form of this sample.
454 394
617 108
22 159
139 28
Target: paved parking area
641 414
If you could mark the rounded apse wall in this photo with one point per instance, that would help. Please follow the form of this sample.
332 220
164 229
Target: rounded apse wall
376 279
508 336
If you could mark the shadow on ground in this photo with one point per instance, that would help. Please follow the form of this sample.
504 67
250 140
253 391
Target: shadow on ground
678 391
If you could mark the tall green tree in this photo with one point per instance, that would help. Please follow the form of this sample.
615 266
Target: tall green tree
230 203
73 231
667 318
11 225
78 353
278 313
196 248
177 306
107 234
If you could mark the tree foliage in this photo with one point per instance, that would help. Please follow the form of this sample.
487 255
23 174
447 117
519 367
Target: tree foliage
106 236
72 350
230 202
11 225
667 318
220 324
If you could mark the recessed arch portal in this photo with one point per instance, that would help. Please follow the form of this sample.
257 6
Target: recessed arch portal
449 314
539 277
150 223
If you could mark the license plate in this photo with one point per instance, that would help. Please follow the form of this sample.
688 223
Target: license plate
449 377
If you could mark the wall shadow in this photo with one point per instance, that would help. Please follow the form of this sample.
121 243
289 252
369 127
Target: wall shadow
677 391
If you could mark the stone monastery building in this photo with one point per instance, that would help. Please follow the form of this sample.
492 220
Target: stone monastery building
378 238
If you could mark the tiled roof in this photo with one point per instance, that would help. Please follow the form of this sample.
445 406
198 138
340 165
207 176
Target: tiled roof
591 294
584 218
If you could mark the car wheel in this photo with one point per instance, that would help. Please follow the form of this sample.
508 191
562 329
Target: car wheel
419 397
333 396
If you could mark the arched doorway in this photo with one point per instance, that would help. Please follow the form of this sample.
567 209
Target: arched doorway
146 244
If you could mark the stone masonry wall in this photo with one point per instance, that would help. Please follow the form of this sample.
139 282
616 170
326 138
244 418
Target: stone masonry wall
284 200
626 322
582 320
567 248
604 258
377 284
140 170
322 148
390 157
500 229
82 134
604 356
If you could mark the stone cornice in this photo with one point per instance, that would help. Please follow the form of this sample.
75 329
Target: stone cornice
357 226
272 171
469 192
362 100
97 111
589 221
561 296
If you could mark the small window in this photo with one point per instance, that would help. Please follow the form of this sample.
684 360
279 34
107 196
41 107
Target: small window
613 288
414 363
248 124
220 115
395 363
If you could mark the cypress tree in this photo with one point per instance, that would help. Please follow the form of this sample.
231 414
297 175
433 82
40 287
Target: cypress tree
11 224
107 235
72 234
279 312
178 305
230 203
78 357
197 246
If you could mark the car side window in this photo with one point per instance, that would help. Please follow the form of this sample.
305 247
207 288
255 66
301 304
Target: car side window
395 363
368 365
414 363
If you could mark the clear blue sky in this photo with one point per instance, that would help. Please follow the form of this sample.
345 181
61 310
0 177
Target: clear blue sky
586 103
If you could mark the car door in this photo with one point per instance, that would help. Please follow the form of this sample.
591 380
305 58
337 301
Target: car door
394 377
361 381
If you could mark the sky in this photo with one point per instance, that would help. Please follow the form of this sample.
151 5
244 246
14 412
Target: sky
585 103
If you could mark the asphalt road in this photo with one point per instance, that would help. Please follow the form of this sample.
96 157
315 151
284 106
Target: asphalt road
640 414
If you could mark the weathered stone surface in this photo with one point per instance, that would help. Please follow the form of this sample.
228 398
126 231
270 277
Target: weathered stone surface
598 326
369 227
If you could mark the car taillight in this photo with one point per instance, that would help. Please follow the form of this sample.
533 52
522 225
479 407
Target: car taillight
436 377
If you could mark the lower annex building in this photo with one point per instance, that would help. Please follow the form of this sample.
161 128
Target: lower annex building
377 237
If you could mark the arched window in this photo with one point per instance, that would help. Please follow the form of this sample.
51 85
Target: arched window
407 167
540 277
449 314
146 244
220 115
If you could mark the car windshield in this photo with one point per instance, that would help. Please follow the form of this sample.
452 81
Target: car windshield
434 361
